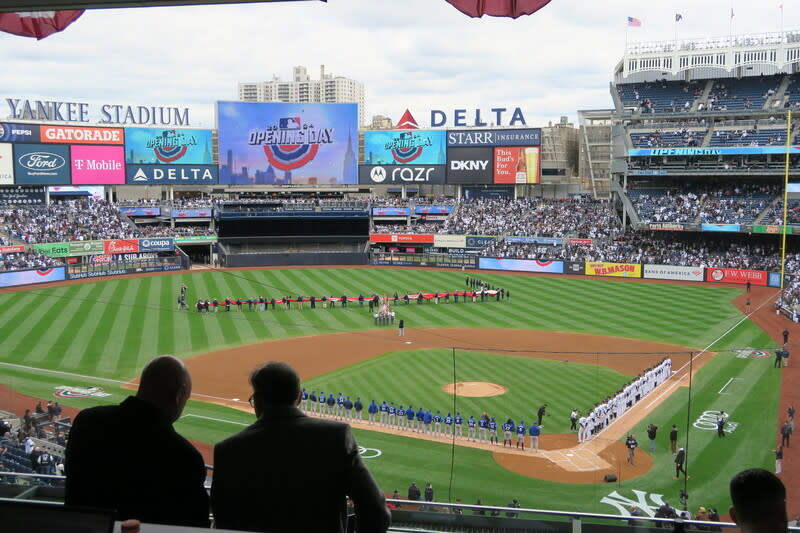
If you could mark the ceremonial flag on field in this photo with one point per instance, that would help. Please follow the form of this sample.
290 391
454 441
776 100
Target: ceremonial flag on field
731 12
678 17
634 22
37 24
498 8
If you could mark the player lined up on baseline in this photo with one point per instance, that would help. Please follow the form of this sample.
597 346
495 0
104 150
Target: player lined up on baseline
484 429
603 413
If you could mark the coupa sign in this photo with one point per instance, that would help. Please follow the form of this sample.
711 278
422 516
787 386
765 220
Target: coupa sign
156 245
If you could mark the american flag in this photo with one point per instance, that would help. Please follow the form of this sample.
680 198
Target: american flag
636 23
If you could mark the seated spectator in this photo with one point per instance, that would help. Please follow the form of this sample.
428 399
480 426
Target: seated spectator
759 502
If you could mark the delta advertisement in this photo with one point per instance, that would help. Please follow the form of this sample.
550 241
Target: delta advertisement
98 165
6 164
680 273
171 174
620 270
152 146
287 143
30 277
521 265
736 275
405 147
517 165
41 164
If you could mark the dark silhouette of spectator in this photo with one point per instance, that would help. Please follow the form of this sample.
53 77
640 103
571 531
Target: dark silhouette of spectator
759 502
262 473
164 482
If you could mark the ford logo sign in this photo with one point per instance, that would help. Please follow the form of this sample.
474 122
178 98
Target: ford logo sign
42 161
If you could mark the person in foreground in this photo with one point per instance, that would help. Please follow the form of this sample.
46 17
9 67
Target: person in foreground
263 473
128 457
759 502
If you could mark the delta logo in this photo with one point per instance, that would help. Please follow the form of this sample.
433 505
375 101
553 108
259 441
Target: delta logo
291 144
408 146
407 122
171 145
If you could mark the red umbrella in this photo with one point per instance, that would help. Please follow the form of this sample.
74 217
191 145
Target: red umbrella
37 24
498 8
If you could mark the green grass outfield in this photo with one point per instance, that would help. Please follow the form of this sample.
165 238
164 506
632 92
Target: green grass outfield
109 329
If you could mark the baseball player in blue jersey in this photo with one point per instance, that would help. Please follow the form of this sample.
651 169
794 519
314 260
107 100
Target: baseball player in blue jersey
508 427
340 405
448 424
437 423
420 417
312 399
483 425
331 404
410 416
384 413
358 406
392 411
348 408
402 421
521 430
459 421
471 423
372 410
305 400
322 402
493 431
535 432
427 418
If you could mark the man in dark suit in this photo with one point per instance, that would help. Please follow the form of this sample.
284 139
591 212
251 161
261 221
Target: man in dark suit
128 457
262 474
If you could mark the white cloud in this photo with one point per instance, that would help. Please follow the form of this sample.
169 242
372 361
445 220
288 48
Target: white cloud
420 54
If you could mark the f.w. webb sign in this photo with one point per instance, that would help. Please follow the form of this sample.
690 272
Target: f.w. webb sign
400 174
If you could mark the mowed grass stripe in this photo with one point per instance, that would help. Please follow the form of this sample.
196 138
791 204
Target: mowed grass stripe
97 343
34 322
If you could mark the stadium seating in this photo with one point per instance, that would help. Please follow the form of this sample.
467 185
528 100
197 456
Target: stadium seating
660 96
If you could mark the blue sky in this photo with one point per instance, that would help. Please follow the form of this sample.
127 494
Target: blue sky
416 54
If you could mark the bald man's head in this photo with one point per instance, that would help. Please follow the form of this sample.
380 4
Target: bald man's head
166 384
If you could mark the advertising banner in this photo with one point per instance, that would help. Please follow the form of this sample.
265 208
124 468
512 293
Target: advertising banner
6 164
11 249
195 239
41 164
156 245
621 270
96 193
433 209
81 135
52 249
153 146
172 175
521 265
680 273
470 165
514 137
773 229
140 211
400 174
736 275
391 211
720 227
403 237
101 259
517 165
775 279
98 165
288 143
85 247
575 268
579 242
30 277
479 241
534 240
405 147
21 195
19 133
121 246
665 226
738 150
450 241
191 213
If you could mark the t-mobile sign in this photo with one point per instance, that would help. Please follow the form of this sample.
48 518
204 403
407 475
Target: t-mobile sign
98 165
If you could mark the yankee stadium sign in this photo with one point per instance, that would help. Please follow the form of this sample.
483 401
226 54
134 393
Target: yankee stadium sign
51 110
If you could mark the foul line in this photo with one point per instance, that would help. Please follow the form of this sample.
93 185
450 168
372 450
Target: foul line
704 350
215 419
728 383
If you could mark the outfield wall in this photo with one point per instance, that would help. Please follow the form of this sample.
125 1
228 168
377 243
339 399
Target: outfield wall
296 259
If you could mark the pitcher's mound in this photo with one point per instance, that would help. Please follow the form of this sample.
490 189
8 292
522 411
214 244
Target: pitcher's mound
475 389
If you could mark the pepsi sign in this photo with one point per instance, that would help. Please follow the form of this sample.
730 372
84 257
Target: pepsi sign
39 164
15 133
400 174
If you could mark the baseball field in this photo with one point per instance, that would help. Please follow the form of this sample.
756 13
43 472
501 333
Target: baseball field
568 342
